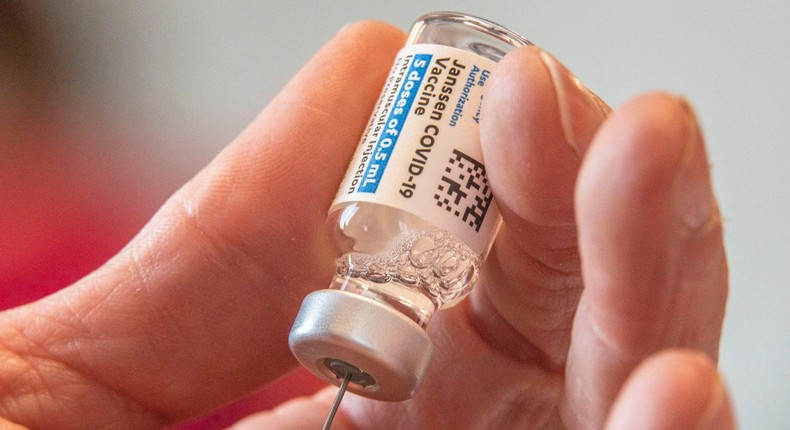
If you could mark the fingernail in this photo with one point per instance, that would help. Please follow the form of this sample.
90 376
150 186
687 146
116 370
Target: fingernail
580 111
695 205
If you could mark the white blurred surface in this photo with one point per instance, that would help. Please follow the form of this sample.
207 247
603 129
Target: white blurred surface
195 73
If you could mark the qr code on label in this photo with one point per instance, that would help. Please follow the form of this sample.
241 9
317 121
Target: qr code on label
464 191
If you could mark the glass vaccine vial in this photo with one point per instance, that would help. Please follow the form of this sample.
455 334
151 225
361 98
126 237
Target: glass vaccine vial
414 217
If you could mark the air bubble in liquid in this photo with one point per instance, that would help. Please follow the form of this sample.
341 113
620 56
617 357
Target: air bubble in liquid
431 261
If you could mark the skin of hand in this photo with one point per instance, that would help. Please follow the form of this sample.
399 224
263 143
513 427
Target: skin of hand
601 303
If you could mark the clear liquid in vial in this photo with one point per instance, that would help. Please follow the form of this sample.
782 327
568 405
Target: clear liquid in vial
399 259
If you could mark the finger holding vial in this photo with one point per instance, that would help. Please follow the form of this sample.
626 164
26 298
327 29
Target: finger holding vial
511 341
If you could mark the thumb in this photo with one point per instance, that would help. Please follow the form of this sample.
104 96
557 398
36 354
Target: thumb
671 390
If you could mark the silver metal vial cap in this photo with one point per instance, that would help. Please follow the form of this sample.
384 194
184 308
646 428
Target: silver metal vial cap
337 332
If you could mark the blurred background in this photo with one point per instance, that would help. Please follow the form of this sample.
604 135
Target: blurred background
106 108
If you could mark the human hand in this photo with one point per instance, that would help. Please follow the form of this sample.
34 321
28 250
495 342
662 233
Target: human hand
577 292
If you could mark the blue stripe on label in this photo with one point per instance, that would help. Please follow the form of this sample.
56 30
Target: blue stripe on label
392 128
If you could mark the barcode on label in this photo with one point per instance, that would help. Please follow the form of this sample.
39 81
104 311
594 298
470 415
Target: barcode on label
464 191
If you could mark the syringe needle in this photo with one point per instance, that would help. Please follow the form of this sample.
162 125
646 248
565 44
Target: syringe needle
338 398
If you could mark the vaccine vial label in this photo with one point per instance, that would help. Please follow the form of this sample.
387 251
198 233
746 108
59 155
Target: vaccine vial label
421 150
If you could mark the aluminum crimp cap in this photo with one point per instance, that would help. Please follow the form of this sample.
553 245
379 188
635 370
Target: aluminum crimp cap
338 331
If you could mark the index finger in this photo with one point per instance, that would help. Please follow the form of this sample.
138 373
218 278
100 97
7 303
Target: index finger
196 310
